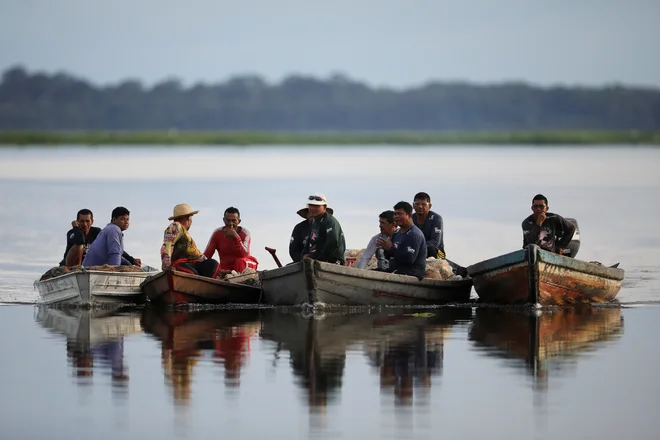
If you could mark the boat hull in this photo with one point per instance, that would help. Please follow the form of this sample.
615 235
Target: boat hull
532 275
93 287
173 287
315 282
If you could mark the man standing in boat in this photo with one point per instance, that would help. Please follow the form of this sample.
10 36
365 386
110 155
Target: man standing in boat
551 232
387 227
326 239
232 243
108 246
407 248
179 250
430 223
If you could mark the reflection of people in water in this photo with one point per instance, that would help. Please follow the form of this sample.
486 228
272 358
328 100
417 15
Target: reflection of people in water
107 353
232 347
177 367
407 365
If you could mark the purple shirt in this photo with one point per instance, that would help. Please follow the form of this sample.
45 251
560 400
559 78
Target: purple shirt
107 248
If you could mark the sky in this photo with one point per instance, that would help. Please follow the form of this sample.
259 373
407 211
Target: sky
392 43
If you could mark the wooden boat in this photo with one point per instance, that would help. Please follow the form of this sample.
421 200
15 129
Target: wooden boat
318 283
544 341
93 287
173 287
535 276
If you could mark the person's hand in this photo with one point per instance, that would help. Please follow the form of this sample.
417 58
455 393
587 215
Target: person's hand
202 258
166 263
74 224
560 251
137 262
540 218
230 232
384 243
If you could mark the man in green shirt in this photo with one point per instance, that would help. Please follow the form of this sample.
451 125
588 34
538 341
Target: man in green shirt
326 239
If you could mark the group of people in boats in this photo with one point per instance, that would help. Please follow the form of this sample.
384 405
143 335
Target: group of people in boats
409 234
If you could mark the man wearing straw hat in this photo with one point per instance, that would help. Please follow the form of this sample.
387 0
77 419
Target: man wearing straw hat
326 239
300 234
179 250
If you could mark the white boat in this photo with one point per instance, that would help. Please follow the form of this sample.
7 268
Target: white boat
315 282
93 287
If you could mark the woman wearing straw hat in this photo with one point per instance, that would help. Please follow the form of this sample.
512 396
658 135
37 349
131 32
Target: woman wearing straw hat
179 250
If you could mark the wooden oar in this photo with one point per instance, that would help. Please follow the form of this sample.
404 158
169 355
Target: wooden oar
272 252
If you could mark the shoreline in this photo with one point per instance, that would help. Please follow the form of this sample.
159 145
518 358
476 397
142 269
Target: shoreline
264 138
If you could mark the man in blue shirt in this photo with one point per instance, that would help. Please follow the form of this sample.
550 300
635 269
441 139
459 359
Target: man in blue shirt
108 248
407 248
430 224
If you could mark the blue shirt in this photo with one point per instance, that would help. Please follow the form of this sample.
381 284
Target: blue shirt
408 253
107 248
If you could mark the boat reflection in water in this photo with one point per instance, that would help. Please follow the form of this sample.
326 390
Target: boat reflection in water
403 344
94 339
549 342
185 336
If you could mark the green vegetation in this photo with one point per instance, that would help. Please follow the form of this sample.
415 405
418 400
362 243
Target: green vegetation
244 138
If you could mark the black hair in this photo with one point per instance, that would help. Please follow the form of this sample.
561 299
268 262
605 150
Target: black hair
540 197
404 206
85 211
232 210
422 196
119 211
387 215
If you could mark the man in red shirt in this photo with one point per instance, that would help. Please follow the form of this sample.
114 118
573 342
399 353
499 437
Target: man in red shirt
232 243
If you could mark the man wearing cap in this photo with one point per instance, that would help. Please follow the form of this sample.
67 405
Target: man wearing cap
232 243
179 250
300 234
326 239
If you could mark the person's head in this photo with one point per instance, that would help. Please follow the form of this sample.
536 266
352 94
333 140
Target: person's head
403 214
183 214
85 219
386 223
317 204
231 217
121 217
539 204
422 203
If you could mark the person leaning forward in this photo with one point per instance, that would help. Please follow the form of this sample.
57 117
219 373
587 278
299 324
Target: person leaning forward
549 231
326 239
179 251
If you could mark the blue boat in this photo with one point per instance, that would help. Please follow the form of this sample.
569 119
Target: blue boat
535 276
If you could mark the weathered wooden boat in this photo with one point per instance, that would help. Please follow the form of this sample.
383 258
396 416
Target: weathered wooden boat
532 275
93 287
173 287
319 283
545 341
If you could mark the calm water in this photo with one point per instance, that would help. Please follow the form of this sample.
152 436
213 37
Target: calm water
455 373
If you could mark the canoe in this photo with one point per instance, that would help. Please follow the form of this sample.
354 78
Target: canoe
173 287
93 287
318 283
545 342
535 276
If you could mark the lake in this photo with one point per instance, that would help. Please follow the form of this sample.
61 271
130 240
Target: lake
455 372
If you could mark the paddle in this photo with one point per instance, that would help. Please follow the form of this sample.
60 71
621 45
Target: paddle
272 252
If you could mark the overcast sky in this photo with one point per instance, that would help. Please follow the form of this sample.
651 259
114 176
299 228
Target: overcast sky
383 42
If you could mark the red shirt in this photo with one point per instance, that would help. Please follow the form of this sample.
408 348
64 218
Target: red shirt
229 248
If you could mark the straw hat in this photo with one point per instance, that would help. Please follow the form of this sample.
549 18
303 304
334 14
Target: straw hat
182 210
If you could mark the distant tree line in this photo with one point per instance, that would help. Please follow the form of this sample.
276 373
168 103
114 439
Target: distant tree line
37 101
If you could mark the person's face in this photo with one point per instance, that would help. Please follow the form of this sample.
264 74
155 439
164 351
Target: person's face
421 207
231 220
539 206
85 222
386 227
186 222
401 218
316 210
122 221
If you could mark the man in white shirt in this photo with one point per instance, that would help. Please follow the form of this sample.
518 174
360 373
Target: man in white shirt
387 228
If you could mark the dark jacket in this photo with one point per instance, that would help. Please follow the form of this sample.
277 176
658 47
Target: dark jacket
433 233
408 253
326 240
553 234
298 239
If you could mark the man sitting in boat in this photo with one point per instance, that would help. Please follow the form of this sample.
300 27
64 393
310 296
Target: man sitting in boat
300 234
407 247
549 231
80 238
179 250
326 239
387 228
108 246
430 223
232 243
